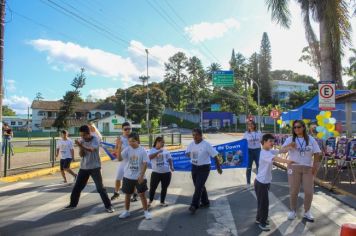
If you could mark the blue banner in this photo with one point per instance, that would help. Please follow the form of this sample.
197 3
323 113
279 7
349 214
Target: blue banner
231 155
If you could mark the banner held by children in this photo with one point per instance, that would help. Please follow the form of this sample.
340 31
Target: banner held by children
231 155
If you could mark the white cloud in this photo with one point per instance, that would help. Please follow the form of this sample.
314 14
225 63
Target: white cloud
18 103
102 93
206 30
10 85
71 56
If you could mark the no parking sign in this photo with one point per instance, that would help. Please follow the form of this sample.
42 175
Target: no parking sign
326 96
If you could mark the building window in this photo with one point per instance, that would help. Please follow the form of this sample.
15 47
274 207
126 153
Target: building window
97 115
41 113
13 123
107 114
19 123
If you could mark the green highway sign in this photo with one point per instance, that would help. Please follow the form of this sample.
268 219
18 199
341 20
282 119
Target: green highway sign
114 121
223 78
215 107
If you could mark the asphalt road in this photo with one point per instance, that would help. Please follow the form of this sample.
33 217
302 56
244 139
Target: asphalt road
35 207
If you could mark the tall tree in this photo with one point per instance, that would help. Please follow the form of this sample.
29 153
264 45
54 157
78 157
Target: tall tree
265 64
334 31
351 70
39 96
7 111
253 72
69 101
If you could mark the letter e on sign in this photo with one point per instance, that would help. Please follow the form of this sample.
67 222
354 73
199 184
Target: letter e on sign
326 96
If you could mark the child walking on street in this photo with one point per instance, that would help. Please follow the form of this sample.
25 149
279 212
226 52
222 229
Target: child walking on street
134 175
65 147
264 178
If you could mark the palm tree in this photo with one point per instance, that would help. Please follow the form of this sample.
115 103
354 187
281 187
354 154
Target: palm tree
210 70
334 27
351 70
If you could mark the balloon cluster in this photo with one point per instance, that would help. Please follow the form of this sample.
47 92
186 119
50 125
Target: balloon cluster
326 125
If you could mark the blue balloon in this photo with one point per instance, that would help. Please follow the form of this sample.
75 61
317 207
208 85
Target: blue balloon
322 113
331 134
326 121
319 129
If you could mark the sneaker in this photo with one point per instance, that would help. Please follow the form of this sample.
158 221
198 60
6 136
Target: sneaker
110 209
134 197
205 205
124 215
192 209
115 196
259 222
264 227
148 215
308 216
292 215
69 207
163 204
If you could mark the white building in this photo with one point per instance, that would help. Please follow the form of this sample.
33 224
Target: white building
112 124
281 88
18 122
44 114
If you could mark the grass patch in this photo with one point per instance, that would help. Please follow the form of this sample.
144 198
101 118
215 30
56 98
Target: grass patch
29 149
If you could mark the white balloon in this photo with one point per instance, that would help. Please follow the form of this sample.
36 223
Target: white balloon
332 121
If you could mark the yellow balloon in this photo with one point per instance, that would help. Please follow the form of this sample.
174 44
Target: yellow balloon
279 122
327 114
336 133
306 121
320 135
319 117
330 127
321 123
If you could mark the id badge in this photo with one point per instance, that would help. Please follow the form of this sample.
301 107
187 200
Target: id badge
302 153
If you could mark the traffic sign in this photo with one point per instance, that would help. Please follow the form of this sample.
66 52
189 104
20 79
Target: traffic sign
326 96
114 121
223 78
215 107
275 114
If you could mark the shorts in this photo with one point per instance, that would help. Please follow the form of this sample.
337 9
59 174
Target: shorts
65 163
129 186
120 170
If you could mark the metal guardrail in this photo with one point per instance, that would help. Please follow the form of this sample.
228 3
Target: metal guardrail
21 156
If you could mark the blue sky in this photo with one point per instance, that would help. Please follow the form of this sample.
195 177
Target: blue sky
45 49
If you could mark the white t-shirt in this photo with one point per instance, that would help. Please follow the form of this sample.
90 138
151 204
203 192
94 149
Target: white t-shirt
65 147
124 144
160 163
302 154
264 174
253 139
200 153
134 159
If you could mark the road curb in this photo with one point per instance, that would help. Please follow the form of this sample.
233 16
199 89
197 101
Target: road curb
322 183
53 170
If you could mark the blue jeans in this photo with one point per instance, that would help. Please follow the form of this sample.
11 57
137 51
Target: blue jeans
253 155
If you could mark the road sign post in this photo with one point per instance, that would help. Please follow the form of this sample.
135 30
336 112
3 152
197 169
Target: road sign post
223 78
275 114
326 96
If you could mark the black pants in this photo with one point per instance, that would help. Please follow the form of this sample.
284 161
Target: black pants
156 178
200 175
81 182
253 156
261 191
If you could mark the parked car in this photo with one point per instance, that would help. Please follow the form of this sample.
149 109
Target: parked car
173 126
211 129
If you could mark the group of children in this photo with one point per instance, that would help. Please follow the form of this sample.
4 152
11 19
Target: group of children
133 162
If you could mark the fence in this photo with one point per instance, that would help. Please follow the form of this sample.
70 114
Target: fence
27 155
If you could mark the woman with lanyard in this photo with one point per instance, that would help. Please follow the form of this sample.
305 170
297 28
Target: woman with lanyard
302 149
162 165
200 151
254 148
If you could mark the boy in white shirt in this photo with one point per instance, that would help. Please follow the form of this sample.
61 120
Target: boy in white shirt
264 178
65 147
134 175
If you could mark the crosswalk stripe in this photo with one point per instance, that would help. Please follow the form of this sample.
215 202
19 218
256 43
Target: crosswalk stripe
224 223
14 186
50 207
91 217
161 216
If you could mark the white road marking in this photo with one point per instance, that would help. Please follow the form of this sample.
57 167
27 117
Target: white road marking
14 186
224 223
160 217
50 207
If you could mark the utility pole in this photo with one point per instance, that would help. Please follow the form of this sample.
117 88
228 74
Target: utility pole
147 99
125 106
2 28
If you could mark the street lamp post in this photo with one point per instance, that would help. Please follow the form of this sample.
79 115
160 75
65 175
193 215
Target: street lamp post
259 105
147 99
